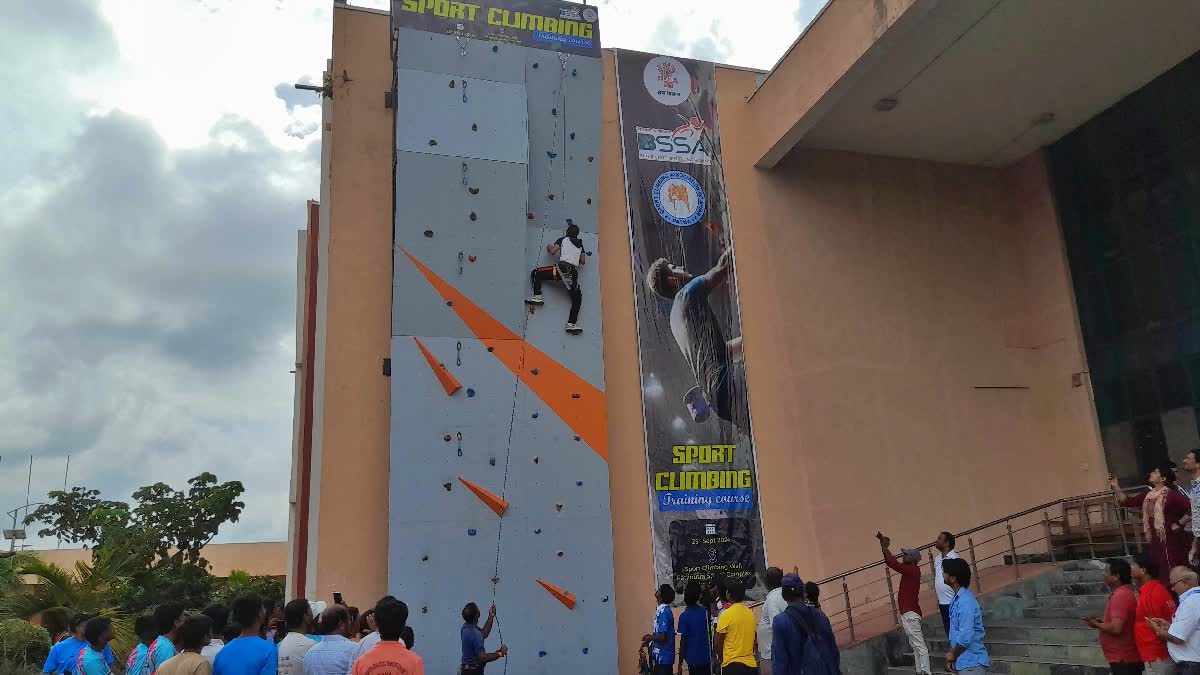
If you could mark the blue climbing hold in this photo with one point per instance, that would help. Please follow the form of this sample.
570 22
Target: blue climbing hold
578 483
470 393
589 253
604 599
572 135
575 72
471 532
551 154
534 371
554 111
538 531
535 416
535 65
541 654
585 650
449 303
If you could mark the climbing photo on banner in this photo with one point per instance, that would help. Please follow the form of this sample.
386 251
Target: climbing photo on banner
542 24
702 477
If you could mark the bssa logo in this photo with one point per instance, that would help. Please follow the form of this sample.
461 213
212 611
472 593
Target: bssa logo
678 198
667 80
684 144
589 15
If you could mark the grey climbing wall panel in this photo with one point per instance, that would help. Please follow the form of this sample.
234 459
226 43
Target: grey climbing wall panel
474 213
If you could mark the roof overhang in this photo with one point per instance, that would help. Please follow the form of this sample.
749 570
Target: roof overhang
976 82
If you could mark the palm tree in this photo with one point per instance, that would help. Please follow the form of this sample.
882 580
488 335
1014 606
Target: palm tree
63 593
10 564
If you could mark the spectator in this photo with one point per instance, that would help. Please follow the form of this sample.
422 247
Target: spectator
1191 466
334 654
772 606
370 639
218 617
693 633
193 636
98 632
64 655
274 620
1116 629
945 594
909 569
662 639
474 656
967 654
144 627
167 619
250 653
812 594
1163 510
736 632
791 633
366 623
297 617
390 656
232 632
408 636
1180 634
1154 602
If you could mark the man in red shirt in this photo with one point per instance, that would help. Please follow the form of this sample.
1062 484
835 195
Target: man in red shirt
1116 629
1154 602
909 569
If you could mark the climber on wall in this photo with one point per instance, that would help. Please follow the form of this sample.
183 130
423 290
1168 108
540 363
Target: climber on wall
569 250
698 334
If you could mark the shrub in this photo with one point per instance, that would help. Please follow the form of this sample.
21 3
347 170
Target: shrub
23 643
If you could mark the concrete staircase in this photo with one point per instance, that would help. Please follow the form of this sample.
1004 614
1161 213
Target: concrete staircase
1033 627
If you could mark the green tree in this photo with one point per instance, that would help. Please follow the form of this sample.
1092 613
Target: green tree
23 644
240 583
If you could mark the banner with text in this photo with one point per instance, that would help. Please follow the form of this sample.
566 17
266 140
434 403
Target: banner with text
543 24
699 446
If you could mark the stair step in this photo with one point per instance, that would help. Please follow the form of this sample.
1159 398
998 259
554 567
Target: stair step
1079 588
1083 576
1013 665
1056 601
1075 653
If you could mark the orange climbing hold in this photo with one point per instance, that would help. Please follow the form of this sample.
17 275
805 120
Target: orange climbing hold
494 503
449 382
564 597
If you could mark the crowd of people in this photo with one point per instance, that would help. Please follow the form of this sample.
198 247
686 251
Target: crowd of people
718 631
248 638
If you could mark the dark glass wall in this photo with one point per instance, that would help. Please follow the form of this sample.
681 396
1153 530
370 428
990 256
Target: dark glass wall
1127 185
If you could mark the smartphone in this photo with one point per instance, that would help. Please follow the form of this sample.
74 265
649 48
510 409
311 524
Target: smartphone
337 598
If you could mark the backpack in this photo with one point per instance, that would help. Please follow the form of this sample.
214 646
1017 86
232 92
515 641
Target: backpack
820 655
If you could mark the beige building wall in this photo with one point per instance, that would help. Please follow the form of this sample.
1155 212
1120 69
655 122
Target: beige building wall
883 303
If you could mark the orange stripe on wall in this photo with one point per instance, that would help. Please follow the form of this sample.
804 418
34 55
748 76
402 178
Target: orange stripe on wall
576 402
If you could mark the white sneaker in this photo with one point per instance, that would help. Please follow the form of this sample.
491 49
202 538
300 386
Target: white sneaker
573 329
535 300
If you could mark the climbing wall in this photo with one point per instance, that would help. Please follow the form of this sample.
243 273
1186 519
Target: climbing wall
499 475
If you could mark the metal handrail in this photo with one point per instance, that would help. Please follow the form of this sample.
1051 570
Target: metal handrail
973 530
872 603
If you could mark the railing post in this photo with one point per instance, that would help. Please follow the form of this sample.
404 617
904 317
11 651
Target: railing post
1087 526
1049 537
1121 526
887 574
974 565
849 613
1012 548
932 573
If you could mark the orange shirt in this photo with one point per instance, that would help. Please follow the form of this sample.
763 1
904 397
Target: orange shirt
388 658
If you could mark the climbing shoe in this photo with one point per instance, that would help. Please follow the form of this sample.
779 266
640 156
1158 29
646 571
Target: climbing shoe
535 300
573 329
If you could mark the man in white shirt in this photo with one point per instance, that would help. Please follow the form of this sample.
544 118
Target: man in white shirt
220 617
1181 635
773 606
945 594
298 618
1190 464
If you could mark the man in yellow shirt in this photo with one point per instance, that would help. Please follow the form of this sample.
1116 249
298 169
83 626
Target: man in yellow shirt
736 634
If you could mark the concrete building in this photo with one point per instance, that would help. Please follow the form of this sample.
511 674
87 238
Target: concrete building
965 240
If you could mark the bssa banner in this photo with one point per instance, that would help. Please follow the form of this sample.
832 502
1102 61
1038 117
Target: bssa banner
703 481
543 24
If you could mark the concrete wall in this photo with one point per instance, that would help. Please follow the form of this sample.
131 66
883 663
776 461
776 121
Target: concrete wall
876 294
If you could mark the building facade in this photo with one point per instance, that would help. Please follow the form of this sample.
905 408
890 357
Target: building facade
927 299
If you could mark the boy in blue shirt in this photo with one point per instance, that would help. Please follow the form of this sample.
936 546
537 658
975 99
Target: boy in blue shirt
662 640
167 619
64 655
693 633
99 632
249 654
145 629
967 654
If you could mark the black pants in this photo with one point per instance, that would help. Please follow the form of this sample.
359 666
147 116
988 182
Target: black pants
662 669
569 275
1187 668
699 670
945 610
738 669
1125 668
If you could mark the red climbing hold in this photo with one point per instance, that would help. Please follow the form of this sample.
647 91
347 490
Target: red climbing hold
531 309
550 196
471 258
529 215
446 438
558 507
590 158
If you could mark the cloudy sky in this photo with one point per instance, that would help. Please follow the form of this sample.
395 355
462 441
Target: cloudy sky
155 165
